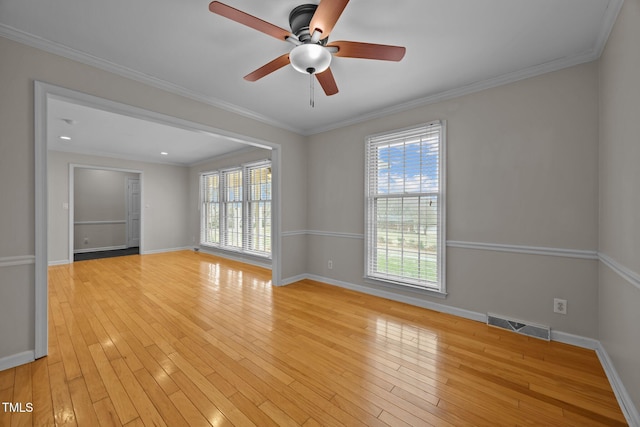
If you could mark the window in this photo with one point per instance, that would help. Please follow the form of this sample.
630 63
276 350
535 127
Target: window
259 208
210 208
405 207
236 209
232 210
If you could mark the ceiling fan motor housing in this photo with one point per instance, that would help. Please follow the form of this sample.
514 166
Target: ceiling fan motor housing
299 20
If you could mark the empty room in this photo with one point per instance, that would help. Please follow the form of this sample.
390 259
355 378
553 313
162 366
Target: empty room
333 213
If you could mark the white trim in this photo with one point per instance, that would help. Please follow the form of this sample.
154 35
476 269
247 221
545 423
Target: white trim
85 58
293 279
335 234
162 251
520 249
418 302
625 400
223 156
59 262
72 223
225 254
295 233
608 22
504 79
116 221
627 274
41 286
576 340
17 359
67 52
322 233
610 17
101 249
11 261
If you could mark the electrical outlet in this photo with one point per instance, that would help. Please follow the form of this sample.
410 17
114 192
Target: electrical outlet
330 265
560 306
86 240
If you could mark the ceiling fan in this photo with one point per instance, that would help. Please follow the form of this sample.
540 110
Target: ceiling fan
312 53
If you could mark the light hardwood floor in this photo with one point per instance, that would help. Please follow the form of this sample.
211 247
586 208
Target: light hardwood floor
184 338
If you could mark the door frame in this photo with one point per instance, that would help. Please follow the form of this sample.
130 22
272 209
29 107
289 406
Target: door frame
42 92
128 209
72 170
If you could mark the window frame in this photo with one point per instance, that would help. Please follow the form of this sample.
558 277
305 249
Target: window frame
203 209
223 201
248 200
438 288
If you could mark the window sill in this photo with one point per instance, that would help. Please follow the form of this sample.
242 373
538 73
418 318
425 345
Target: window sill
414 289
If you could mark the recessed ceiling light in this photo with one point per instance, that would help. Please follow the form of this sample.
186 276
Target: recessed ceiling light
66 138
164 153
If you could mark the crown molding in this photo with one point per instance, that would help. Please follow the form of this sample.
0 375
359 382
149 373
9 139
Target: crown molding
504 79
611 14
94 61
610 17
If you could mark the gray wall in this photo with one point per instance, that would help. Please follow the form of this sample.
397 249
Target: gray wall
619 315
547 162
99 196
522 170
19 67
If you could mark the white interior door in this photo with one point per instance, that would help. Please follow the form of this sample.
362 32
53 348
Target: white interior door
133 212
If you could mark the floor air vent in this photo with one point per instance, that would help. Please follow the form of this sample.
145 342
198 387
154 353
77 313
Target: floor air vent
519 326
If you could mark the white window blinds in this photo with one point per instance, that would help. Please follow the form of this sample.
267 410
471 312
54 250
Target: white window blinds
405 208
236 209
258 184
232 211
210 209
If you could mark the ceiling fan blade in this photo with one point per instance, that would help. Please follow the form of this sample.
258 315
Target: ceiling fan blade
248 20
368 50
327 82
326 16
269 68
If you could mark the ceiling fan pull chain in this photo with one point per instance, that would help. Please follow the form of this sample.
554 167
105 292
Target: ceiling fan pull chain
312 101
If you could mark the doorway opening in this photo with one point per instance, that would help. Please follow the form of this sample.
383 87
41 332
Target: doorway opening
105 211
47 207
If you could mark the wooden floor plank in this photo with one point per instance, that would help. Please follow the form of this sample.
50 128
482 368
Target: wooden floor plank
106 413
82 405
121 402
41 394
186 338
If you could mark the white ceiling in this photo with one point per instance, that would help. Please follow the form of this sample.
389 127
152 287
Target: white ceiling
103 133
453 46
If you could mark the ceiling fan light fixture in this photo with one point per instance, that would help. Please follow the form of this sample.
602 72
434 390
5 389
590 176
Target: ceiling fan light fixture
310 58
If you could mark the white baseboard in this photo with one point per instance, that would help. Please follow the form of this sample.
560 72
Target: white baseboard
106 248
293 279
161 251
239 258
576 340
59 262
18 359
460 312
624 399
